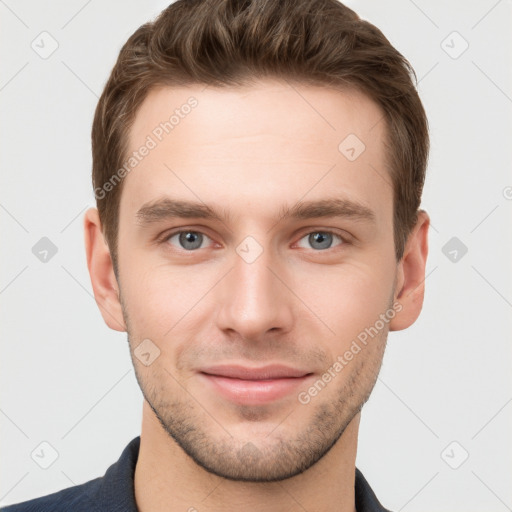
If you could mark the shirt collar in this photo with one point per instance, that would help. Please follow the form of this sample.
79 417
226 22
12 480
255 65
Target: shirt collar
115 491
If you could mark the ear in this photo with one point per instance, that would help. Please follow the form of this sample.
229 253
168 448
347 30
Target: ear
410 280
101 270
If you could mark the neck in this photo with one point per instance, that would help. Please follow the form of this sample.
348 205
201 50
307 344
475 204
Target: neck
166 478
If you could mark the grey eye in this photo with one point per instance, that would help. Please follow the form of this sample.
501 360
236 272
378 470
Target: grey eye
320 240
188 240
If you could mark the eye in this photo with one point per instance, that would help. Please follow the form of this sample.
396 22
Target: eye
188 240
321 240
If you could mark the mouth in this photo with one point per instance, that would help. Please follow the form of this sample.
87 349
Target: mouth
253 386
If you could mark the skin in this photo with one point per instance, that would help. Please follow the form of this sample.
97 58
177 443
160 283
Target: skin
251 151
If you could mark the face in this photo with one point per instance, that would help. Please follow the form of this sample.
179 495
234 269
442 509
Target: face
256 258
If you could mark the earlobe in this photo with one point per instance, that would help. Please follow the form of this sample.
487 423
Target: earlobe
410 282
101 271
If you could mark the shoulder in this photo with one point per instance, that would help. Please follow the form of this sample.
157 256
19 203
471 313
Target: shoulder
113 492
365 498
76 498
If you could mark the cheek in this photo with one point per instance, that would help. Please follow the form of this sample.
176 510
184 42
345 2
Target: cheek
348 299
161 299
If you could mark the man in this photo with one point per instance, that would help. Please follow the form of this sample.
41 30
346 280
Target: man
258 168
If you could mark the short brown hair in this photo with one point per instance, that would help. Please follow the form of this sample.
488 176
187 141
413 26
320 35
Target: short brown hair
231 42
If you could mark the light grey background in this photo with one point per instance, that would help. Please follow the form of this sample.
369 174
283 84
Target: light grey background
66 379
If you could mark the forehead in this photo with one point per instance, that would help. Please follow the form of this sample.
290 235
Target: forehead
257 147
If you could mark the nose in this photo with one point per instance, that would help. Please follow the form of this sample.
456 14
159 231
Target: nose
254 298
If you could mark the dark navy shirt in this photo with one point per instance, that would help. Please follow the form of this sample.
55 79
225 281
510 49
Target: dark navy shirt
114 492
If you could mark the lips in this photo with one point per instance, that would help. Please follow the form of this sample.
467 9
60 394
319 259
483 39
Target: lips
264 373
253 386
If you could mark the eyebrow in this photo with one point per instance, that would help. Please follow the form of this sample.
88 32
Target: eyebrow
168 208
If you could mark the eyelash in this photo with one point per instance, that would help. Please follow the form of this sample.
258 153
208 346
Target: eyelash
344 239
